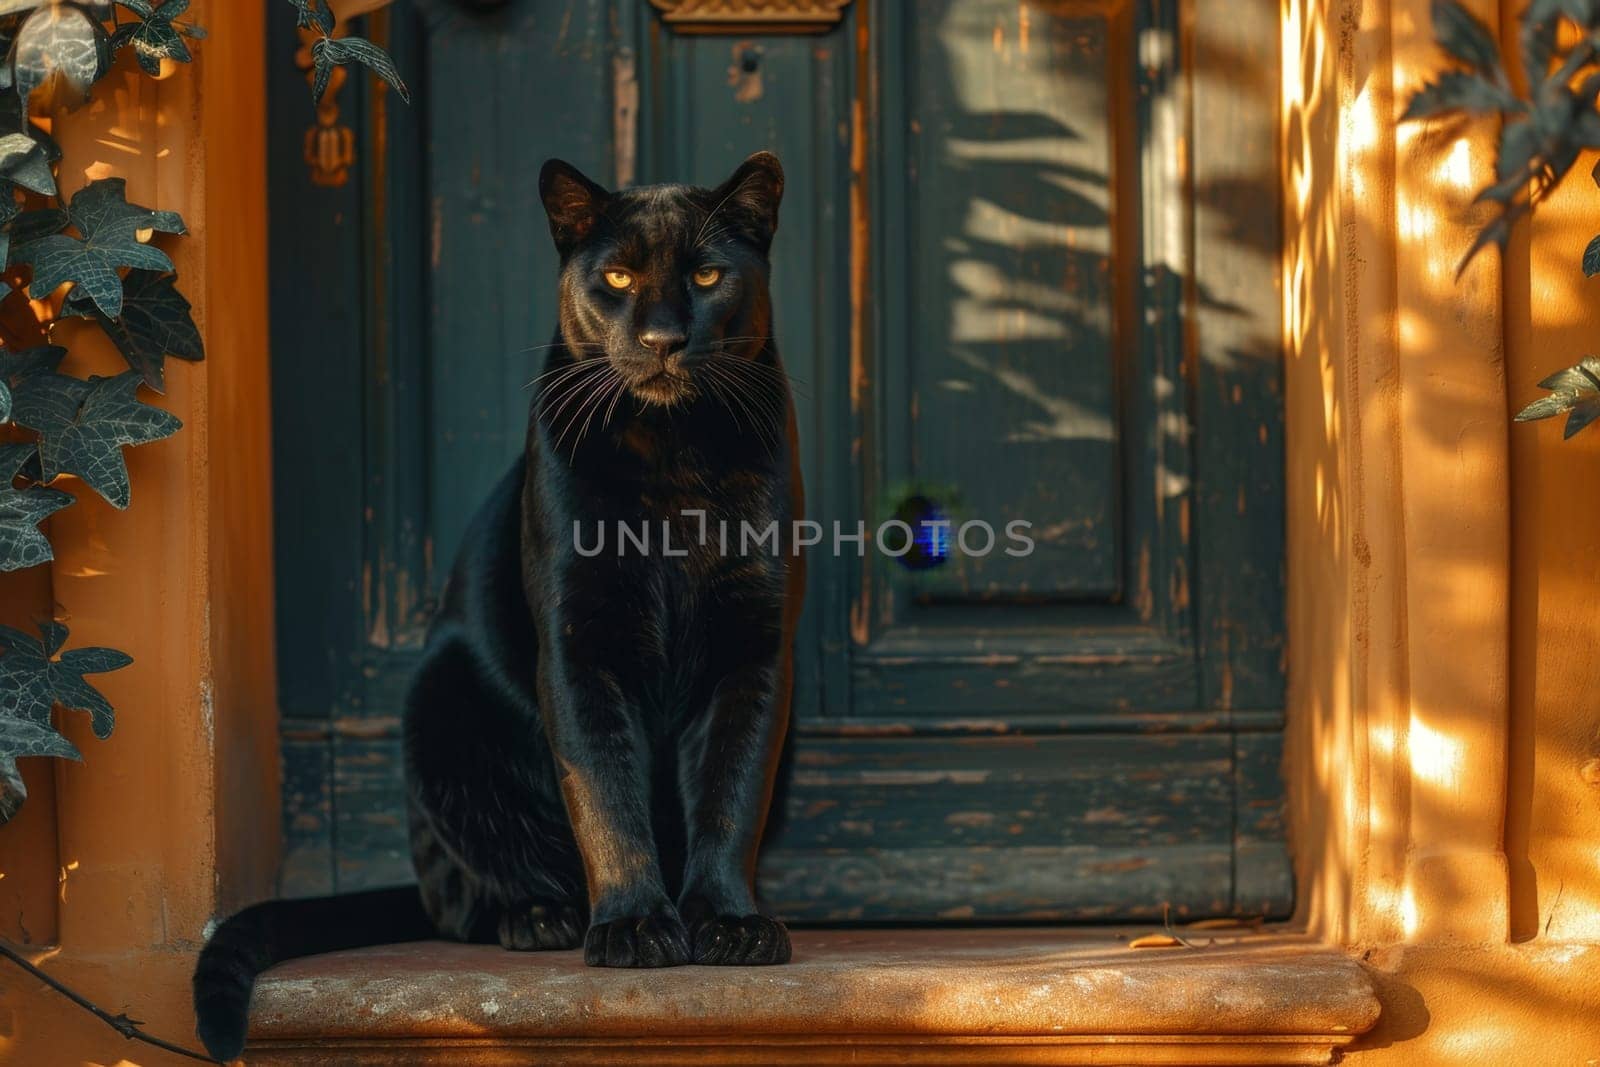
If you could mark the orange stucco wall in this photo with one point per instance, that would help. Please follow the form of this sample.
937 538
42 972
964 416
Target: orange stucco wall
165 822
1442 626
1553 819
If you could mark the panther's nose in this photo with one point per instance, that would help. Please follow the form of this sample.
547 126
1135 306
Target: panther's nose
662 340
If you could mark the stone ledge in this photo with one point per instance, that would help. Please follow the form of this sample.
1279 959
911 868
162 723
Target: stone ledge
1033 996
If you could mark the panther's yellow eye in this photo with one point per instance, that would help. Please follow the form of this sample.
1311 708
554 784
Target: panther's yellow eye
706 277
619 279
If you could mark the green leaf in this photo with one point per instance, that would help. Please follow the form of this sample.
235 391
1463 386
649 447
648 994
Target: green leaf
1463 36
322 63
28 161
1459 90
20 737
21 511
330 52
59 39
1581 11
1518 143
157 36
1547 407
1585 131
1554 113
1582 415
40 222
13 117
1575 392
109 226
24 162
1538 46
84 424
30 226
43 359
33 680
13 790
1591 258
314 15
155 323
1585 375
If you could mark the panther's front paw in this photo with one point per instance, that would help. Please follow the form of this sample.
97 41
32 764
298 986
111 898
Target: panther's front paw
538 927
655 940
740 940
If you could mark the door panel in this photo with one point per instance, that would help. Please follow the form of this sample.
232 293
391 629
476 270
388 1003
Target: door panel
964 827
1010 368
491 95
980 280
1028 359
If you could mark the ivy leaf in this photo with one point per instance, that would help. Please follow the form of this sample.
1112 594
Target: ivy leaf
101 8
13 790
32 682
1575 392
1538 45
330 52
59 39
155 323
40 222
26 739
24 162
13 117
1580 11
1464 37
157 36
1459 90
21 511
1518 143
84 424
43 359
1591 258
34 679
109 226
32 168
20 737
314 15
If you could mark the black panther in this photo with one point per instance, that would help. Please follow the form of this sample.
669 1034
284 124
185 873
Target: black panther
591 737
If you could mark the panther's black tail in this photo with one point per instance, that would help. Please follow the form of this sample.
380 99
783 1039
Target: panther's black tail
279 930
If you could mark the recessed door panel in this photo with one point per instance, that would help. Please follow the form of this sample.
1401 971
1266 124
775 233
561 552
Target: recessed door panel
1012 332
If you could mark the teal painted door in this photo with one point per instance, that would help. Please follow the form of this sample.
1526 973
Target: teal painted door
991 293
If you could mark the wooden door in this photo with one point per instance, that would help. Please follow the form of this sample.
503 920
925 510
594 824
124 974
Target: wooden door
1007 280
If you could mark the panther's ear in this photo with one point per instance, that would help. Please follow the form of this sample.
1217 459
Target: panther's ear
572 201
753 193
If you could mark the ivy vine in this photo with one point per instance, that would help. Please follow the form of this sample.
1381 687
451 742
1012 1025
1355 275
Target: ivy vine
89 257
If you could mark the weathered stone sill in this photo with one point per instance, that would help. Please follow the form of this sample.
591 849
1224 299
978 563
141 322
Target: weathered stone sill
1014 996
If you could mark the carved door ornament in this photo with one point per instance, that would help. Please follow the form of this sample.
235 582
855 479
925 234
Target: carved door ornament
751 16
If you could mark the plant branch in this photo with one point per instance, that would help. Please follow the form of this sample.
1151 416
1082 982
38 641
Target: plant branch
128 1028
